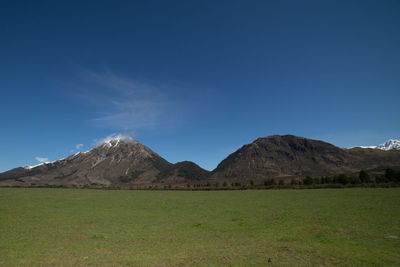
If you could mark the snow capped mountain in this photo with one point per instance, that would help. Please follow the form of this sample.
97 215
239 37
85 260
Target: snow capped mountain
391 144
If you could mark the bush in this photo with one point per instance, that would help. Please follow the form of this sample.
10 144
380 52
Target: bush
381 179
364 177
316 181
392 175
355 180
269 182
308 180
342 179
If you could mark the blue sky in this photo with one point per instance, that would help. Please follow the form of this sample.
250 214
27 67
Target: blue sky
195 80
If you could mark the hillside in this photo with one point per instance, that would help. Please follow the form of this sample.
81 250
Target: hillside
290 156
120 163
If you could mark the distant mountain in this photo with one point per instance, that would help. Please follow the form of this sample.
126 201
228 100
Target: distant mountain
291 156
125 163
117 162
391 144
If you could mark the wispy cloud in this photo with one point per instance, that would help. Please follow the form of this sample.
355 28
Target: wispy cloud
125 104
41 160
78 146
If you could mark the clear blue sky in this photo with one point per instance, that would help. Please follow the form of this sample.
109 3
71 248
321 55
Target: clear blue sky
195 80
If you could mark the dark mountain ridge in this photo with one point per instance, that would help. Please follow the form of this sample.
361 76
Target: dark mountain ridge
127 163
288 156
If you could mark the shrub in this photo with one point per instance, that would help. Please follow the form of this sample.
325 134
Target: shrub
342 179
381 179
308 180
392 175
316 180
364 177
269 182
355 180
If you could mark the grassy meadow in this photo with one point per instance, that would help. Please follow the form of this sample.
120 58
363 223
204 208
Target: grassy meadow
77 227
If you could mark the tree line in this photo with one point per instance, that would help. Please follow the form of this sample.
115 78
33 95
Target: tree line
390 176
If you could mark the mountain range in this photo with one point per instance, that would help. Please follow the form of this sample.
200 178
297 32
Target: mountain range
126 163
391 144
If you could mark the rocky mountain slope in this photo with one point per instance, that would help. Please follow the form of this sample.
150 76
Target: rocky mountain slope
290 156
117 162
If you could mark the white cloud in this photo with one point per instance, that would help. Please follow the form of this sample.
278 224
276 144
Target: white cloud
127 137
124 103
42 160
78 146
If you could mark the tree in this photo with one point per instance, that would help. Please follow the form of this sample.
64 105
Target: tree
381 179
251 182
269 182
392 175
364 177
308 180
224 184
342 179
355 180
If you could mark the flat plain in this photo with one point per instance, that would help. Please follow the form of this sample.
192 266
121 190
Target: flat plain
79 227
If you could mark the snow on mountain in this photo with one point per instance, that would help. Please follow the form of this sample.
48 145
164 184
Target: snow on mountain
391 144
367 146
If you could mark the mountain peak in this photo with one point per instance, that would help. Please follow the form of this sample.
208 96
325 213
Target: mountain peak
114 140
391 144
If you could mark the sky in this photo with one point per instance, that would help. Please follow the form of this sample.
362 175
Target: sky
195 80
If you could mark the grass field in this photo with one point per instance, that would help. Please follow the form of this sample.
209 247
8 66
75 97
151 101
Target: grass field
72 227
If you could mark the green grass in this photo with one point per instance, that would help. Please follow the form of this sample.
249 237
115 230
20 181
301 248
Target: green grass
71 227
